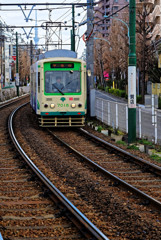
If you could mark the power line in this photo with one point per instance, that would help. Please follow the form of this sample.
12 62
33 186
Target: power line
44 4
36 26
112 14
39 9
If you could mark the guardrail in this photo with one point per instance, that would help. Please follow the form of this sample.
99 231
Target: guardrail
115 114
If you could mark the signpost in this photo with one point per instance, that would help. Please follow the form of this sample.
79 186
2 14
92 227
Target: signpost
132 74
14 58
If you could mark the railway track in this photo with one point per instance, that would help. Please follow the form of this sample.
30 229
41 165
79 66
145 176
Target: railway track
119 213
26 207
137 175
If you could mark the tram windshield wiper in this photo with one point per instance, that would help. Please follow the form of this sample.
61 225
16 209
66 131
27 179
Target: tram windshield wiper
68 83
58 89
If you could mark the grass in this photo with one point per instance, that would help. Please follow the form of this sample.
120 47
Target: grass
122 143
100 128
156 157
145 142
133 147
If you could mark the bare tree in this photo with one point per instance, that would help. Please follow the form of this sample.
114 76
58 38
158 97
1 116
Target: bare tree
24 64
116 57
144 45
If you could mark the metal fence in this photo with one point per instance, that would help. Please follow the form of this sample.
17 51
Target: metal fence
115 115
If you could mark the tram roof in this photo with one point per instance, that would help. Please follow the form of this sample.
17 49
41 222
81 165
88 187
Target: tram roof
58 53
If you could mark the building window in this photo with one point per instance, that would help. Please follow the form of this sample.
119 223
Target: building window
115 8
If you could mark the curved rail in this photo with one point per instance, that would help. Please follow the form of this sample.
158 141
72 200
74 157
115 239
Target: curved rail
104 171
11 101
85 222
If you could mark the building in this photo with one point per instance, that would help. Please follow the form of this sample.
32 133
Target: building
107 8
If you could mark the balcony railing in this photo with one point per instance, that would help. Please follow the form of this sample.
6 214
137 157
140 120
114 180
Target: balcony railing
156 13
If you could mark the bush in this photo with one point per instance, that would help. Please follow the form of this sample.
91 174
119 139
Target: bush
111 90
118 92
99 128
159 102
122 93
138 99
100 87
106 89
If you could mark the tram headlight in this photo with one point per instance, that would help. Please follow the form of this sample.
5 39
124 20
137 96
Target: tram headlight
45 105
73 105
52 105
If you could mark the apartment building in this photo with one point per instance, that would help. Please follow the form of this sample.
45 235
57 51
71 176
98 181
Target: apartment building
106 8
154 18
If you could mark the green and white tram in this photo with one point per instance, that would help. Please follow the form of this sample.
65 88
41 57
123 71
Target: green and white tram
59 89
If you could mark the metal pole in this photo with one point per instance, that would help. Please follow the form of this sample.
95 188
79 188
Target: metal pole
90 61
132 74
73 29
71 34
31 53
17 74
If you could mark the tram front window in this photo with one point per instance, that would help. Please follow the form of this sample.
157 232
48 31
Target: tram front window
62 82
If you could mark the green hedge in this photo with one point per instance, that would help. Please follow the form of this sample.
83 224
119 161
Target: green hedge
159 102
138 99
123 94
118 92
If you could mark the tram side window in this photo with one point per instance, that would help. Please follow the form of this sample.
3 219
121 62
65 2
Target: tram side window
38 82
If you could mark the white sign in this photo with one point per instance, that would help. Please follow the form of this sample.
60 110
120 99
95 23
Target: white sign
132 87
17 79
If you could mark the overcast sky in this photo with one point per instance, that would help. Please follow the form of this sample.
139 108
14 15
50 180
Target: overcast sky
14 16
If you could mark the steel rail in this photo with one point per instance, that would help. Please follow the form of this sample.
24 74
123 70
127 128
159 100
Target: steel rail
12 101
151 167
104 171
86 223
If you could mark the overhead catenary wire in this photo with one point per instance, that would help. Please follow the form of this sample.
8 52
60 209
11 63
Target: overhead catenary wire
112 14
64 16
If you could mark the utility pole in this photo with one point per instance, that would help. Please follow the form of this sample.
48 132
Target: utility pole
71 37
31 53
90 61
17 74
132 74
73 30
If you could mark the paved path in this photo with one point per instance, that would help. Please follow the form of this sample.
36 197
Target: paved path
110 97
